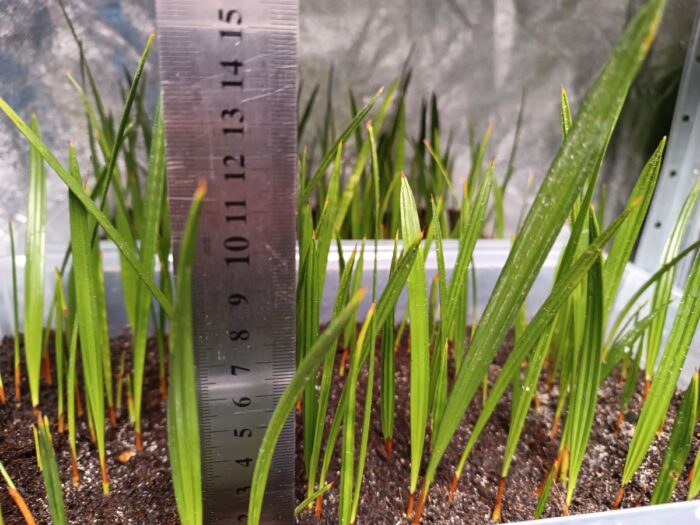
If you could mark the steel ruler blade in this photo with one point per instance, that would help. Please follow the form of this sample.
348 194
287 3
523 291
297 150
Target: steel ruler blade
229 80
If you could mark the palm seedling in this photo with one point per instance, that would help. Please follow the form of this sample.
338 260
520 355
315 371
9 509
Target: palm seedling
34 268
183 418
678 445
568 333
574 337
49 469
80 316
17 497
15 315
87 317
577 162
666 377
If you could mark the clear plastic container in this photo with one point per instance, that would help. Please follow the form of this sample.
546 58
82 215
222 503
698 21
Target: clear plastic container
489 258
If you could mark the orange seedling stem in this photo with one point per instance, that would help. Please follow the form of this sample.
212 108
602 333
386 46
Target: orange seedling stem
550 377
563 471
137 441
421 504
389 447
319 506
411 505
343 362
78 403
453 487
129 401
112 416
554 468
164 387
618 498
18 380
498 505
618 424
647 387
46 368
21 505
75 475
555 427
661 427
105 476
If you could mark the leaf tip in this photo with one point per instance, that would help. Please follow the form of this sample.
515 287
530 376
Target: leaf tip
653 29
201 190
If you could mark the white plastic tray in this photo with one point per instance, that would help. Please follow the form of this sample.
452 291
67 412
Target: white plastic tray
489 258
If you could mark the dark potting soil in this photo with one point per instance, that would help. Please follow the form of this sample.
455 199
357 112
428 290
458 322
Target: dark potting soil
141 489
384 494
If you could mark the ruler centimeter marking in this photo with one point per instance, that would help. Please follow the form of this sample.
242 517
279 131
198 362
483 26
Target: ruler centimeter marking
229 80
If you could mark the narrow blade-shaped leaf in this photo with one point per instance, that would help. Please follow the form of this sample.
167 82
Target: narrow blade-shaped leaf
34 267
347 456
678 445
664 384
584 391
420 334
331 153
15 316
77 190
52 479
86 289
350 190
577 160
623 244
149 240
327 374
662 292
305 371
183 415
552 306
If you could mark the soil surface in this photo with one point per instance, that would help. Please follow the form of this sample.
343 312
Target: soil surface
141 489
384 494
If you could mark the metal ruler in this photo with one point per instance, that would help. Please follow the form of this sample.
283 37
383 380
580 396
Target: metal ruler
229 79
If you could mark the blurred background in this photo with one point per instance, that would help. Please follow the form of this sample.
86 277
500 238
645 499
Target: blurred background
477 56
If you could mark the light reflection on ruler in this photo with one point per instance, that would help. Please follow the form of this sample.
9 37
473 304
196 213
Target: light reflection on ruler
228 71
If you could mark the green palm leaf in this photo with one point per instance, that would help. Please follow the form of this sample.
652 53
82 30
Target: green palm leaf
52 480
86 289
664 384
155 183
183 416
678 445
577 160
420 334
34 268
76 189
305 371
